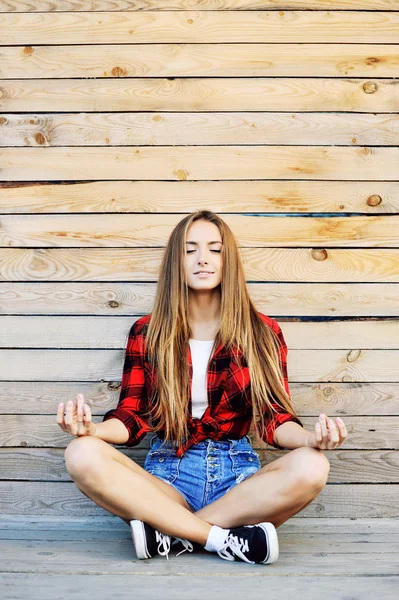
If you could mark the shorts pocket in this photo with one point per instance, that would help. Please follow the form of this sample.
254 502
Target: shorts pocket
244 463
163 463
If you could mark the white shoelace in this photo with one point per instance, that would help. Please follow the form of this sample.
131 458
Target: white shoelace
187 545
164 544
237 546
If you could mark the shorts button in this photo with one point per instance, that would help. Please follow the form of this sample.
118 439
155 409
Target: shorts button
250 459
161 459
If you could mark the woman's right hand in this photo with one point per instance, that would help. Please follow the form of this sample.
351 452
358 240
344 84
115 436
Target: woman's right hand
77 419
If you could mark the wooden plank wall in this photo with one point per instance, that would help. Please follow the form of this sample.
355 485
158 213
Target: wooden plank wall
118 118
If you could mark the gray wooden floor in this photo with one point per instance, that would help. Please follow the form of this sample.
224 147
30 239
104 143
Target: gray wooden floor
45 558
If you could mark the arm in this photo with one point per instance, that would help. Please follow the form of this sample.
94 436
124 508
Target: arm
127 424
290 435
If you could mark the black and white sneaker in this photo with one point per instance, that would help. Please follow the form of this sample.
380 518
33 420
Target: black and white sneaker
252 544
148 541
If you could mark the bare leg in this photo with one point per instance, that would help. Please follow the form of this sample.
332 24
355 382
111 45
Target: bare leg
275 493
131 493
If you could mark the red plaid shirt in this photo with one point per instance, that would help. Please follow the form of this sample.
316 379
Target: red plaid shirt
229 411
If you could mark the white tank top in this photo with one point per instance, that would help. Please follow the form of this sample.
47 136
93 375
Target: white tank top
200 352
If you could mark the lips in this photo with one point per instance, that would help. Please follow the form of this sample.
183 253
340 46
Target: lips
209 272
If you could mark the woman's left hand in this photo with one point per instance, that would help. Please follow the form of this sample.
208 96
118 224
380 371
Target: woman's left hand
328 435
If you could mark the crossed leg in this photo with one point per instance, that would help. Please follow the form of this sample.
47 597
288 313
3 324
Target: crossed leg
118 484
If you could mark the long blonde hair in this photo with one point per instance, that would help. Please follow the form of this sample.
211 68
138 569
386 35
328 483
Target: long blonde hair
241 327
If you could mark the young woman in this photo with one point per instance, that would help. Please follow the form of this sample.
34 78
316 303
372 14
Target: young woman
199 370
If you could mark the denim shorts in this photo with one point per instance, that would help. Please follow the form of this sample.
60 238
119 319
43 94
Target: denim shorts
206 471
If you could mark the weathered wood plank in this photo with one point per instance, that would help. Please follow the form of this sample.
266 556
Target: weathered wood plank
110 523
18 586
48 231
130 129
200 60
198 5
285 299
142 264
45 498
201 27
182 163
335 399
88 365
111 333
369 433
238 196
347 466
201 94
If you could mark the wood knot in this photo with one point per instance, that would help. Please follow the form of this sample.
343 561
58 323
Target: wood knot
374 200
3 121
328 391
372 60
131 31
370 87
114 385
23 444
181 174
40 139
190 21
319 254
365 151
346 378
353 355
118 72
113 304
28 50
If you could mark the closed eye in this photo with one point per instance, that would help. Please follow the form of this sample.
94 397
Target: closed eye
189 251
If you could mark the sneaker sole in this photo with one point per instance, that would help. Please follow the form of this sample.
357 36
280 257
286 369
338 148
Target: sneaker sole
139 539
272 543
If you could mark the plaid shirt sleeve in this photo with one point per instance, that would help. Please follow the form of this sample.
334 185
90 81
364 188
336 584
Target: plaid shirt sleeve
132 402
281 417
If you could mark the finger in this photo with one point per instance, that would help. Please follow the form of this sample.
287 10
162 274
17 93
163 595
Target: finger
80 400
319 436
81 422
88 418
334 435
60 416
342 428
323 427
70 409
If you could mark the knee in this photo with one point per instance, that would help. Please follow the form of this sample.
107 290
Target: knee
311 467
82 456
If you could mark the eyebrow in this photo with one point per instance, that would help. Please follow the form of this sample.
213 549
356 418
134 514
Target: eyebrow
209 243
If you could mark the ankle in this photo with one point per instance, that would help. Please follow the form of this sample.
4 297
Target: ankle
216 538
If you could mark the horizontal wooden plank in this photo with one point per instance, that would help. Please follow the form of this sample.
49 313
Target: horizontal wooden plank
127 129
199 27
198 5
347 466
258 231
142 264
111 332
28 584
201 94
182 197
282 299
91 365
335 501
184 163
332 398
366 433
200 60
89 525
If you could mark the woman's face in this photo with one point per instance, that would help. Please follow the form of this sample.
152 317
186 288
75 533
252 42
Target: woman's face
203 253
